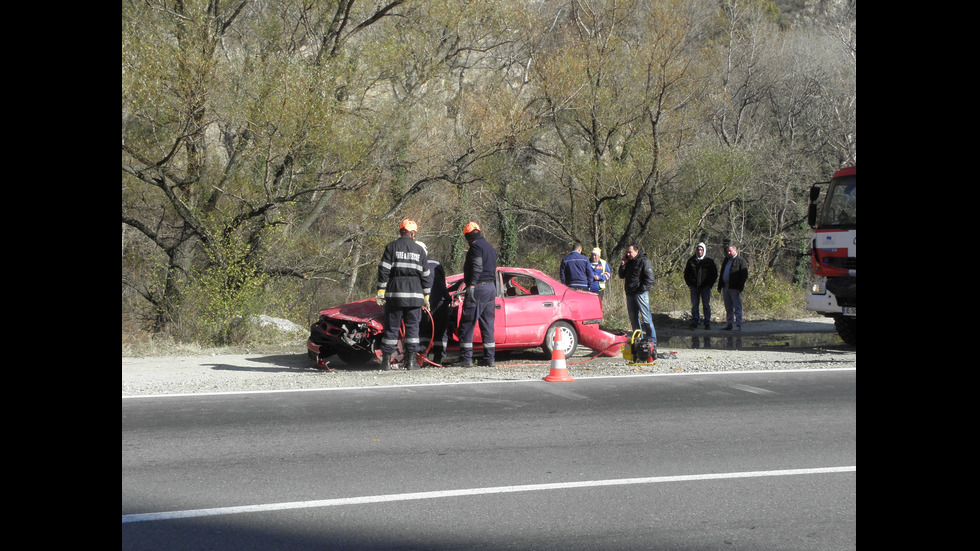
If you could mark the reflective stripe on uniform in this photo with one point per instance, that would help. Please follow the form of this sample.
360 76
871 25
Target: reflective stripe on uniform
395 294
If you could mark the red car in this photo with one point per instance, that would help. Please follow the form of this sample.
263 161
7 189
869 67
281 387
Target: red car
531 307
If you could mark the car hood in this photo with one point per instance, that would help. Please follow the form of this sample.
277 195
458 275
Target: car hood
362 311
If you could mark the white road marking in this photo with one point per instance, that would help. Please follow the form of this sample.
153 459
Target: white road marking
753 389
484 382
192 513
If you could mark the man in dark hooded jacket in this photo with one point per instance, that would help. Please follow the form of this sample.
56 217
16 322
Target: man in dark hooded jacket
700 274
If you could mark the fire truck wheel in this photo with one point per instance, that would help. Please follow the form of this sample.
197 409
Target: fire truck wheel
846 329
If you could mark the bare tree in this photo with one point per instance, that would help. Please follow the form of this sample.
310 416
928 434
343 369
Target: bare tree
224 126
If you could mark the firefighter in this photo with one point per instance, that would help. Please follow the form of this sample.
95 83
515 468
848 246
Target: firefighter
439 301
404 282
479 276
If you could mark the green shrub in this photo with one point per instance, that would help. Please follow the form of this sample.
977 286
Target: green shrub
220 295
768 296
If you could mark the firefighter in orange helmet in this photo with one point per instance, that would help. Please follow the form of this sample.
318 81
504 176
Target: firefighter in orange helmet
480 276
404 283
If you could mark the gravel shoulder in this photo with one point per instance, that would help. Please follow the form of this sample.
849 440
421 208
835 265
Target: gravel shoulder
761 345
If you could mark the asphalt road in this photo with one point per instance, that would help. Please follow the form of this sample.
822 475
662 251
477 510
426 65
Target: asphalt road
728 461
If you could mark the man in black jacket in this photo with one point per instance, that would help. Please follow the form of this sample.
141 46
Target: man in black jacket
480 277
734 273
404 282
700 274
637 271
439 301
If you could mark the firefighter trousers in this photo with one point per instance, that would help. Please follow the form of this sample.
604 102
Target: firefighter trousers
394 317
479 309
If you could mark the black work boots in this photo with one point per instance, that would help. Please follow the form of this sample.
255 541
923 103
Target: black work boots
411 365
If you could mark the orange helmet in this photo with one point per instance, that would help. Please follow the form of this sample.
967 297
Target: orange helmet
409 225
471 227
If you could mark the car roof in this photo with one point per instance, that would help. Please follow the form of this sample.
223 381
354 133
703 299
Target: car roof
527 271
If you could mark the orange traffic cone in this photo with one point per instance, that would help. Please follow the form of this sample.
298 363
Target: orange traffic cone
559 374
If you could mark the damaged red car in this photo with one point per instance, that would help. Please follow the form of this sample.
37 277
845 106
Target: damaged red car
530 308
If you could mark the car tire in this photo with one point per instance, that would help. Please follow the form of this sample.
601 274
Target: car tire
567 336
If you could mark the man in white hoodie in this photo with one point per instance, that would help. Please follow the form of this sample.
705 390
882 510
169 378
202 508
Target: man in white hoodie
700 274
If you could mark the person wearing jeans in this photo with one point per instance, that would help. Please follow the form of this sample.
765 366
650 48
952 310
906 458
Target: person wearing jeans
700 274
637 272
734 273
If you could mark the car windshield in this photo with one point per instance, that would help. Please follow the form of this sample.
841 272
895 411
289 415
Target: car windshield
841 206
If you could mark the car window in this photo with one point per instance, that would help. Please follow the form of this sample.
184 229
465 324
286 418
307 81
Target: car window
542 288
520 285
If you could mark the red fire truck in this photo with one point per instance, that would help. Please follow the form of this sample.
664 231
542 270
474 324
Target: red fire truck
833 251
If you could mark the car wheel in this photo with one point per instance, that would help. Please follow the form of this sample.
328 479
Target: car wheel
567 339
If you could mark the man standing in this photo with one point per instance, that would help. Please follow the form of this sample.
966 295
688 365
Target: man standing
637 271
700 274
734 273
404 282
600 272
439 301
575 270
479 275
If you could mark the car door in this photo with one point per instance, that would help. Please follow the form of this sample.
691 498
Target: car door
529 305
456 313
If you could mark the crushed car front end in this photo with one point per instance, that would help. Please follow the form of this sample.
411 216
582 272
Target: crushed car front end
351 331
